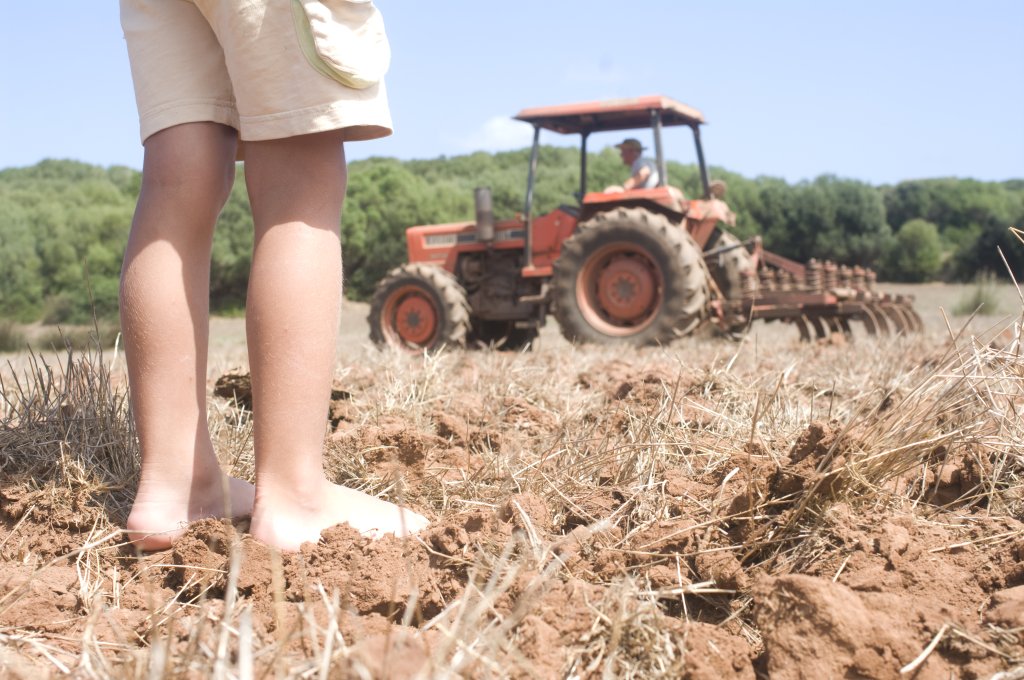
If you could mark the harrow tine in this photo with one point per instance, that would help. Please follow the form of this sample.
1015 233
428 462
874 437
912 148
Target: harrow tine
893 314
915 319
801 325
908 318
844 326
868 317
835 326
880 320
819 328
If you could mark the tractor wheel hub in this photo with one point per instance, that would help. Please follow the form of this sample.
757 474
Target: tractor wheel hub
626 288
415 319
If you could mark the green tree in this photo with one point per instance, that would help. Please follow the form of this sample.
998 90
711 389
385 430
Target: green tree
917 255
972 217
232 250
77 219
21 286
829 218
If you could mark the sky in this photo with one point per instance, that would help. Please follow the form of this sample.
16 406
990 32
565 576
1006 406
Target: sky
874 91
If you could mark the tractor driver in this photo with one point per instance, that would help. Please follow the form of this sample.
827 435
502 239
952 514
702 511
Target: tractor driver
643 171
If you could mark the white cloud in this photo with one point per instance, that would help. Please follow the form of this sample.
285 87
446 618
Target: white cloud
499 133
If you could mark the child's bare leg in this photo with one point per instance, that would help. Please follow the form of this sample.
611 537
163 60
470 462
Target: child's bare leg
296 188
187 175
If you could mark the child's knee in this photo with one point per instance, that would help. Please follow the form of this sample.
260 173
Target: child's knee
189 169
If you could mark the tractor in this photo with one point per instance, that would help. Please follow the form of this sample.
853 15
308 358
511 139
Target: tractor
633 267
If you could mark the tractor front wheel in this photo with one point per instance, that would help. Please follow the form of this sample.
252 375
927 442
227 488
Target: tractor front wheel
629 276
419 307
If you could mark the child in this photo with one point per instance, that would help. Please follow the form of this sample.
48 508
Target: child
289 83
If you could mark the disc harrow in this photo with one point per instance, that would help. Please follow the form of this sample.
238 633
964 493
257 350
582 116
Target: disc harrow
822 300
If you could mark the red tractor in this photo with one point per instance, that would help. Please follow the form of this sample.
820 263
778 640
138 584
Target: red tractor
639 267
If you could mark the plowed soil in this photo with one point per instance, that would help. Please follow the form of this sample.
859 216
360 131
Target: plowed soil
709 510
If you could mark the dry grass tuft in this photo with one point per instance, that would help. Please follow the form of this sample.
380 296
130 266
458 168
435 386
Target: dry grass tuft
64 423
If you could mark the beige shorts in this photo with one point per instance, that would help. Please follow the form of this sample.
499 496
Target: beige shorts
268 68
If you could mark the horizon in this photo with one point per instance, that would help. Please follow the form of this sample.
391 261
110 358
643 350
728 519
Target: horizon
443 158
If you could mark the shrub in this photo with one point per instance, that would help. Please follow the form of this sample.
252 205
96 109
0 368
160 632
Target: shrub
12 338
983 296
918 253
79 338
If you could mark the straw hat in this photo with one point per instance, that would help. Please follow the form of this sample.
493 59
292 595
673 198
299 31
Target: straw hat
630 143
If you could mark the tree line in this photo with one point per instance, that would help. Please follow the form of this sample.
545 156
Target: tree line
64 224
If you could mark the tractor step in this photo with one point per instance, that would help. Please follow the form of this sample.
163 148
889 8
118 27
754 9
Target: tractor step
542 296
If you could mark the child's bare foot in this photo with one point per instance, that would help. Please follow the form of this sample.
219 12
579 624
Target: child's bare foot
161 511
288 523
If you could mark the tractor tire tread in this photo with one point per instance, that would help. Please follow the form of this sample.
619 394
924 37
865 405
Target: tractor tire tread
450 293
686 281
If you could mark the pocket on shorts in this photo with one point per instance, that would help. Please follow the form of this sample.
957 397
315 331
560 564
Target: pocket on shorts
343 39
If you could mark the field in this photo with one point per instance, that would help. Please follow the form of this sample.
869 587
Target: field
713 509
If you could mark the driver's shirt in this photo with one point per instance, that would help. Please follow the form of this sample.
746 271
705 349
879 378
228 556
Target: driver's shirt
652 178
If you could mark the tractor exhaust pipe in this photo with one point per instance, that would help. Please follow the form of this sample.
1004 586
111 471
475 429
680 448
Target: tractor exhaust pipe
484 215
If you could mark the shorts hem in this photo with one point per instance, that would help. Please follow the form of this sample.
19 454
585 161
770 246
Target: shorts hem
361 122
166 116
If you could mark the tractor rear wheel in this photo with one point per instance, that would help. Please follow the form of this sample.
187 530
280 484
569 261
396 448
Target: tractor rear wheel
629 276
419 307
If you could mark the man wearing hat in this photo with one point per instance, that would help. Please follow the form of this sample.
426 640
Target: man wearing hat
643 171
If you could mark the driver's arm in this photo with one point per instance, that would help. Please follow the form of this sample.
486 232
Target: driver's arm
639 178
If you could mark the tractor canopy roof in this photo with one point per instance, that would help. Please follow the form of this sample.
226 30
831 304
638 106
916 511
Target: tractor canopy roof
612 114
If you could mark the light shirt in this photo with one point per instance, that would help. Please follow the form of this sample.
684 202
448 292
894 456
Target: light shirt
652 178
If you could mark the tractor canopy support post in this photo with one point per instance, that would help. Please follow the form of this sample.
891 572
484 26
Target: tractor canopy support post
583 166
705 182
659 152
484 216
528 208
